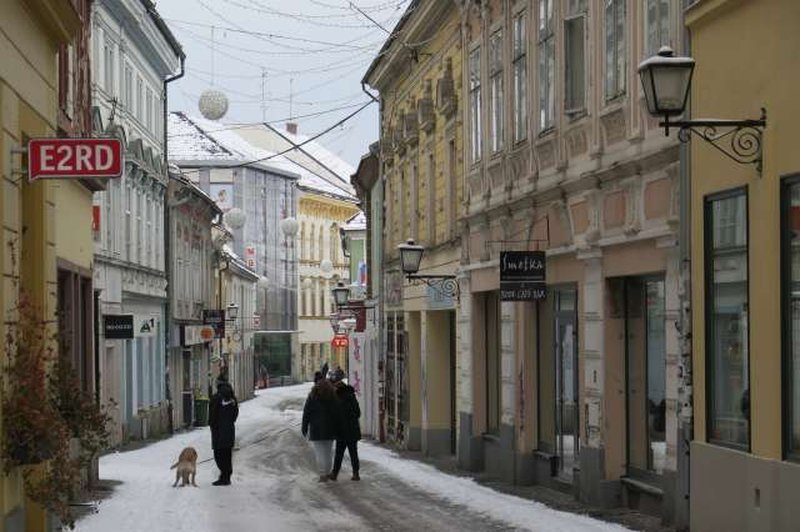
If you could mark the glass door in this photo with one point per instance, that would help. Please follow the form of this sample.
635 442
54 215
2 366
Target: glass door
566 350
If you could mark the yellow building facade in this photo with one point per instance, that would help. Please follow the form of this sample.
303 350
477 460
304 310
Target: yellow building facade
418 74
744 468
46 224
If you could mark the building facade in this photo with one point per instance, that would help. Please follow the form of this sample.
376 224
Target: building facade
134 54
579 389
422 164
192 256
744 275
220 162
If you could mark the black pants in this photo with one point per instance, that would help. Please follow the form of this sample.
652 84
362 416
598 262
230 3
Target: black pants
352 450
224 462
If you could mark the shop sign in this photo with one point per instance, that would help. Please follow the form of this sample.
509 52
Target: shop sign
215 318
144 326
522 276
196 334
118 327
76 158
340 340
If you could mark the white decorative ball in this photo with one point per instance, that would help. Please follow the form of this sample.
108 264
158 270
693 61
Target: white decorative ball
263 283
326 266
235 218
213 104
289 226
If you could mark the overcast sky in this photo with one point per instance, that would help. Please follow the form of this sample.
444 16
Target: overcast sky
316 50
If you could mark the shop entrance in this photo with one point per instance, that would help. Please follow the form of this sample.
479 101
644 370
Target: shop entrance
566 380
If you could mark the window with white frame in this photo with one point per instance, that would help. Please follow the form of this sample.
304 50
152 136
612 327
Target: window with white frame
520 73
496 90
129 222
149 111
139 99
109 205
476 140
150 236
575 57
139 225
129 88
547 66
656 25
615 48
108 60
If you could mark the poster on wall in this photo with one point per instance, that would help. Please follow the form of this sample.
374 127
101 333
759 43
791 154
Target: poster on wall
222 194
522 276
355 363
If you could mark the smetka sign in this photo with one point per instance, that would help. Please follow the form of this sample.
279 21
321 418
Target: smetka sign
522 276
118 327
58 158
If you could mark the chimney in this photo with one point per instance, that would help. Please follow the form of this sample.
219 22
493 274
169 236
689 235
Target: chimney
291 127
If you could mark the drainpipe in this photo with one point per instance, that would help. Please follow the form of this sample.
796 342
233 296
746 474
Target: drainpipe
167 247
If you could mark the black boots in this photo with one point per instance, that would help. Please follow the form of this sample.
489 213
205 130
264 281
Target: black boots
222 481
355 477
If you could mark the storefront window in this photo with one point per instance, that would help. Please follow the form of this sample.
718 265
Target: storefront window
727 360
791 320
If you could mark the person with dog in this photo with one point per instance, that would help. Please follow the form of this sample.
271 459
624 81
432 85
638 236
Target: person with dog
223 410
320 420
349 430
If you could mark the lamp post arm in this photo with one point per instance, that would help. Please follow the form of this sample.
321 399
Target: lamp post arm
446 285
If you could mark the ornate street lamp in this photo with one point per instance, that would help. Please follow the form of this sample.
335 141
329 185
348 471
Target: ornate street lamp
341 294
410 259
666 80
232 312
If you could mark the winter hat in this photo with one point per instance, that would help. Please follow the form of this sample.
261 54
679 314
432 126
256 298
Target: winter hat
337 375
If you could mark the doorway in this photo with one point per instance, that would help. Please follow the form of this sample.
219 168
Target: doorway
645 373
566 380
452 324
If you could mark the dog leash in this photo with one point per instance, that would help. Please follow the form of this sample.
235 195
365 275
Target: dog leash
259 440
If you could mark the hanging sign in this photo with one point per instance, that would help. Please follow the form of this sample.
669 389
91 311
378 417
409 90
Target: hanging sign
215 318
340 340
118 327
522 276
60 158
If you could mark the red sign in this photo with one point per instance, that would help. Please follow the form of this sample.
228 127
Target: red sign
54 158
340 340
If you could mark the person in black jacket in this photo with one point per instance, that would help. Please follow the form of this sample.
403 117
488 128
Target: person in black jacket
319 424
349 431
222 413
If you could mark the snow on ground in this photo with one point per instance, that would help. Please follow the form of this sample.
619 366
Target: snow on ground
274 488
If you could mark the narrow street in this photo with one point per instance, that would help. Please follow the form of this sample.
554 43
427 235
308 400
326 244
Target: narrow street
275 488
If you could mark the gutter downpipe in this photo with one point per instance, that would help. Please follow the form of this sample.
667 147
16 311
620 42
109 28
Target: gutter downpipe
167 248
685 392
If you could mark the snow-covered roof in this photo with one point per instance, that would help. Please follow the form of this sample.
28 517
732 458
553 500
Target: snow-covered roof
319 169
357 223
197 140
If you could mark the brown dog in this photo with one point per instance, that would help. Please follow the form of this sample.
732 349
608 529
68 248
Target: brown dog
186 466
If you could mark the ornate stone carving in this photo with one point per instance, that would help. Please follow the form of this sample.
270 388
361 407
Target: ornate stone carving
633 195
576 142
410 129
546 154
614 126
425 114
445 91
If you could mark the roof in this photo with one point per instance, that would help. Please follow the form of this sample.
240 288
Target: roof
390 40
197 140
163 28
320 170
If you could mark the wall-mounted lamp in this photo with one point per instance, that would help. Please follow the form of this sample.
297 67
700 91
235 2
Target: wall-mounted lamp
410 259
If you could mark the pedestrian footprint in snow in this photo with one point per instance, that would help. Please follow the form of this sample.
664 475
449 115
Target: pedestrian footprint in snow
348 430
222 413
319 424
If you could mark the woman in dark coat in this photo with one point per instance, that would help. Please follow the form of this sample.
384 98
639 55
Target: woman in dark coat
222 413
349 430
319 424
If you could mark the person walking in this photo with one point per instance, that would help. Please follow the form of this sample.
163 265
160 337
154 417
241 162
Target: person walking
320 415
349 430
222 413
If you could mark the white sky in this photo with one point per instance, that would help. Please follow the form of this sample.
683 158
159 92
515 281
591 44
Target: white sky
321 76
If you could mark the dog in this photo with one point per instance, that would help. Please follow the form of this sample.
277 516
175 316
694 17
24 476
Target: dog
186 466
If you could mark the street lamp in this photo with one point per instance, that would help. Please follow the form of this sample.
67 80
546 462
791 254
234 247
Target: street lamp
410 259
666 80
341 293
232 311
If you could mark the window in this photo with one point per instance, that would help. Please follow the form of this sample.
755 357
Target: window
574 52
791 314
452 187
128 222
149 236
656 26
615 48
311 241
727 348
139 226
496 90
476 144
108 197
520 68
547 66
149 111
108 57
139 96
129 88
413 215
431 198
321 245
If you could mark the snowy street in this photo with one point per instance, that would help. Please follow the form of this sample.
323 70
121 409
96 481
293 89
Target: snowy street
275 487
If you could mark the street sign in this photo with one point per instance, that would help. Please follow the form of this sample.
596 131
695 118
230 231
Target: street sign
216 319
60 158
118 327
340 340
522 276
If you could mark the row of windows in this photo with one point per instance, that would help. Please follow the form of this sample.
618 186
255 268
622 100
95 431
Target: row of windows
615 63
315 297
312 244
138 97
140 237
727 317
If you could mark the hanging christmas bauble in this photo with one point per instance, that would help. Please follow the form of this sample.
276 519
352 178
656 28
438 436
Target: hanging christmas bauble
213 104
